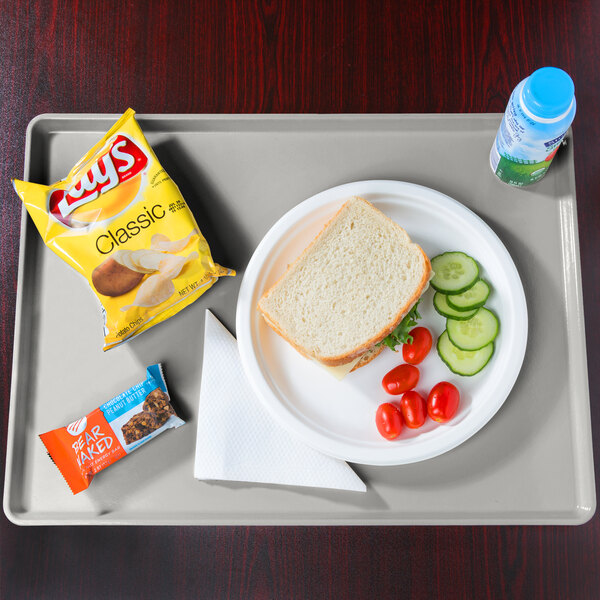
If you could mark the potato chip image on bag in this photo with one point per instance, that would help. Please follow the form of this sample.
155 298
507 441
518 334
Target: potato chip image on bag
120 220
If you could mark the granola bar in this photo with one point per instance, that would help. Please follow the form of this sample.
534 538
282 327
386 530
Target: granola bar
157 403
95 441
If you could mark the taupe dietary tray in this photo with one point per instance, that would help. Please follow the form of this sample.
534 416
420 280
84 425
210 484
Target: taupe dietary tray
531 464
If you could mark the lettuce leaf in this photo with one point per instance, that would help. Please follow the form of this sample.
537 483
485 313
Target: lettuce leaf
400 335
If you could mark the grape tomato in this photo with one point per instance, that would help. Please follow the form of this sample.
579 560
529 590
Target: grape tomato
416 352
414 409
388 419
400 379
443 401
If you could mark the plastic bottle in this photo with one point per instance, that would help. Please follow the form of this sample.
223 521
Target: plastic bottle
539 112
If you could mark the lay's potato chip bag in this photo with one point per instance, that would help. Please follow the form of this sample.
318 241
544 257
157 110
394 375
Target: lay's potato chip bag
120 221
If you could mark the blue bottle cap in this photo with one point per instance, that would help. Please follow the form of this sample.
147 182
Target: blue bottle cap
548 92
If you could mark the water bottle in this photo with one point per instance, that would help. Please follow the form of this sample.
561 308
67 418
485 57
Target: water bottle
539 112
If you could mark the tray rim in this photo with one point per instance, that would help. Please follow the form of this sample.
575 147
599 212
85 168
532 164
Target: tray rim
580 515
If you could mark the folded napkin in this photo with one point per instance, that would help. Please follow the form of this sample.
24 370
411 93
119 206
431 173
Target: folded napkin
237 438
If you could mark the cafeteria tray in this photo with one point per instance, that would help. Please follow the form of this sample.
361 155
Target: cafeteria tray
531 464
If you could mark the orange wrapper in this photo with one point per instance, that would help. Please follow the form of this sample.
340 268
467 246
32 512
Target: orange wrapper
110 432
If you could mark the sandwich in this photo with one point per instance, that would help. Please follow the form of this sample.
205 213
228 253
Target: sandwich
352 292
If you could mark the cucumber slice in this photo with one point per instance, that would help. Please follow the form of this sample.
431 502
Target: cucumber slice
440 303
474 333
463 362
474 297
455 272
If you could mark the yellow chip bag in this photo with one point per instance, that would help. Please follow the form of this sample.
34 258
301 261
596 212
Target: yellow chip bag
120 221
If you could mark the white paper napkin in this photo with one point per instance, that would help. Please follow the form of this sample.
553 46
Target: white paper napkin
237 438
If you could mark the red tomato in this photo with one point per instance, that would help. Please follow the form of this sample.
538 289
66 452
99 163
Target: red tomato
442 402
400 379
421 345
388 419
414 409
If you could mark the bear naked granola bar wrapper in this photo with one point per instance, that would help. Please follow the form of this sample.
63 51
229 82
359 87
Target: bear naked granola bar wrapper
120 221
112 431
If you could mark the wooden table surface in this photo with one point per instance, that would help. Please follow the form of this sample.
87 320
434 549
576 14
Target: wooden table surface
228 56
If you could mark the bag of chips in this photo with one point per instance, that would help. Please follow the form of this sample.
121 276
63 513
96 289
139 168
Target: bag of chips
120 221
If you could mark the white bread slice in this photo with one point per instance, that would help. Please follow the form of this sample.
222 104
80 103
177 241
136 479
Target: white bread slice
350 288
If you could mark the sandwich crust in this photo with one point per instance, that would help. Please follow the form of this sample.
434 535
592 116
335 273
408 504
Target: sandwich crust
367 357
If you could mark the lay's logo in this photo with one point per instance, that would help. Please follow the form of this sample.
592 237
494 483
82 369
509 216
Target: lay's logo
110 184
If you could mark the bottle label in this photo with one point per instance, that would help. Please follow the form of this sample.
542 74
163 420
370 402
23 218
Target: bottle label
524 148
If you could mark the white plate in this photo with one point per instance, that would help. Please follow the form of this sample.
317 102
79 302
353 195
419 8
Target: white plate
338 417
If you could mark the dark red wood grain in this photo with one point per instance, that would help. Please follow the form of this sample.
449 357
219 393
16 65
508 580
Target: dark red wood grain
250 56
